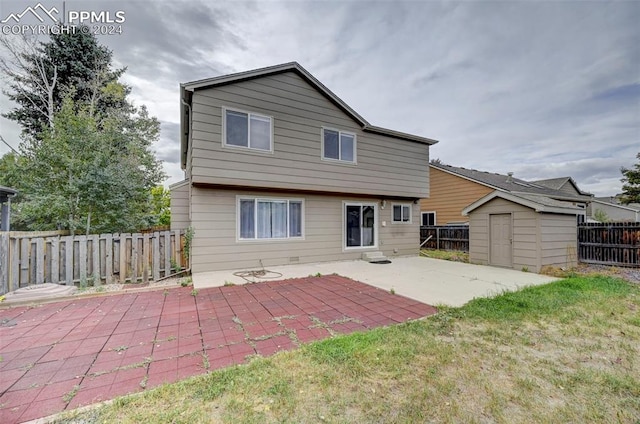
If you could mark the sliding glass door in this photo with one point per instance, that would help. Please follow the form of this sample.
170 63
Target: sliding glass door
360 225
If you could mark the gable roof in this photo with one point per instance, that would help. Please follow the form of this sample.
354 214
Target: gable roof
558 183
187 89
536 202
508 183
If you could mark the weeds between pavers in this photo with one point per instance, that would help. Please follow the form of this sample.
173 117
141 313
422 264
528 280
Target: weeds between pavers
563 352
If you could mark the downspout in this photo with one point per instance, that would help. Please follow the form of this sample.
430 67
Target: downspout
188 169
189 124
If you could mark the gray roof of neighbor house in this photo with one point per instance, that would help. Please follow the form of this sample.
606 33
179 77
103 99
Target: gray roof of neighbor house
187 89
509 183
537 202
616 204
557 183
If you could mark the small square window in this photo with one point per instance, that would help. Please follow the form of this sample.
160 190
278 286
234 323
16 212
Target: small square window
248 130
402 213
339 146
428 219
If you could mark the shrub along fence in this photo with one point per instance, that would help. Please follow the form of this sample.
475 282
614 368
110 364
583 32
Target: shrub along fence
610 243
36 258
445 237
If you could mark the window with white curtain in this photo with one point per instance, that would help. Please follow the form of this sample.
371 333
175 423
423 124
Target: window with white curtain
267 218
250 130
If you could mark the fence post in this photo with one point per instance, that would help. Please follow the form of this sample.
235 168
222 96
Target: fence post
438 238
4 263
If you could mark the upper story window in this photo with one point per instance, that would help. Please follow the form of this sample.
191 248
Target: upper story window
248 130
338 145
401 214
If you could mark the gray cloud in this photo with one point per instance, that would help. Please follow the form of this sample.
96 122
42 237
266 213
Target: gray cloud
542 89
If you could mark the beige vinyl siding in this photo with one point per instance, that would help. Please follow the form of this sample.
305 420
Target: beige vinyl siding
215 244
449 194
179 205
386 166
558 236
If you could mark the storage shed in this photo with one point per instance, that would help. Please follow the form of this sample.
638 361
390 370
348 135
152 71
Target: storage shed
522 231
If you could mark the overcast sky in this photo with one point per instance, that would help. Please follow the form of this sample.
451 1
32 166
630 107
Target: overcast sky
540 89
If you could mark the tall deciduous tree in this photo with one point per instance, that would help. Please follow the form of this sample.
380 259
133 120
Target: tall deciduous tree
631 180
86 159
41 74
86 175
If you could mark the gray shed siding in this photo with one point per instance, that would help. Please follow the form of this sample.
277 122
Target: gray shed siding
180 205
215 246
385 166
558 240
539 239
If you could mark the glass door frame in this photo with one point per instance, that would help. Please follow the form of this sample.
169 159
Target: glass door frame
374 205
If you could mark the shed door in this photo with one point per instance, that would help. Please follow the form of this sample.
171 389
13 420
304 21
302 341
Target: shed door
500 239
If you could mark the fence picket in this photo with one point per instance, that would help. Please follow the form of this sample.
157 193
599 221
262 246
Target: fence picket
108 257
68 259
123 258
55 259
146 255
156 255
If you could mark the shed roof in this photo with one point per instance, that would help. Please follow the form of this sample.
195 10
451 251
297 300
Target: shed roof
189 87
537 202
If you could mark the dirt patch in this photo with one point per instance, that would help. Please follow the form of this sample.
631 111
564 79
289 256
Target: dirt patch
631 275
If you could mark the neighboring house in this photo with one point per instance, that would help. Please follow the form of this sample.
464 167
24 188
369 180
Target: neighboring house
613 210
454 188
279 170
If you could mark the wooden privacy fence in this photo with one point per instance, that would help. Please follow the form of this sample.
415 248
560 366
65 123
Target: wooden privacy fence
613 243
445 237
36 258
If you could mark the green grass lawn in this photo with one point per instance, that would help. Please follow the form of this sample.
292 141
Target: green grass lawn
564 352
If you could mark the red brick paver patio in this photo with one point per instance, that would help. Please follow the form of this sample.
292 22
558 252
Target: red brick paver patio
59 356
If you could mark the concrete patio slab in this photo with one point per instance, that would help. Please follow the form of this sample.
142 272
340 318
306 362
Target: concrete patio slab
427 280
62 355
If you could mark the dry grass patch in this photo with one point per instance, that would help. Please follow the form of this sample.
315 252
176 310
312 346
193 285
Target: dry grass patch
447 255
568 351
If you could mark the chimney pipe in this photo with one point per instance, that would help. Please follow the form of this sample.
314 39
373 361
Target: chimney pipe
509 177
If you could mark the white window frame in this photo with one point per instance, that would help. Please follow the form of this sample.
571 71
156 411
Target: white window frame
435 217
249 115
376 226
257 199
340 133
402 206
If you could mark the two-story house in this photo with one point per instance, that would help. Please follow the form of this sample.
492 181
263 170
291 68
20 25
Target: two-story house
279 170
